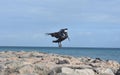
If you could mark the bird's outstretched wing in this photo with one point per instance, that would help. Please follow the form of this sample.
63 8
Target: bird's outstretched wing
55 34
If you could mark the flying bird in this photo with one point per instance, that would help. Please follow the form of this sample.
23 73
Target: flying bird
60 35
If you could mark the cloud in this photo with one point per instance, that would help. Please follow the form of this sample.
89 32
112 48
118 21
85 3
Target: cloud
64 10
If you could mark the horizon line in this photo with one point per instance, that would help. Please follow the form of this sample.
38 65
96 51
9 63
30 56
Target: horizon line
64 47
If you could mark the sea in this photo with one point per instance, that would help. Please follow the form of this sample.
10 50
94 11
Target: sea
102 53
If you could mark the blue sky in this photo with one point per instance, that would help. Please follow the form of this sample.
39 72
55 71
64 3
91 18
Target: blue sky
91 23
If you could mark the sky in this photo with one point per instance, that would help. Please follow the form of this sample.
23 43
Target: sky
90 23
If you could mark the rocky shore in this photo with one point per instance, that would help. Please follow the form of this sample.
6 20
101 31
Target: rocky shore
37 63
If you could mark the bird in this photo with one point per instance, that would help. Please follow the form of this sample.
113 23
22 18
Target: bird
61 35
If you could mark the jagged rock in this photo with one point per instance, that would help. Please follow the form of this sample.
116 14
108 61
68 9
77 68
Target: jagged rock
84 72
62 62
41 69
55 71
104 71
2 69
108 71
14 64
36 54
25 55
80 67
118 72
70 71
67 70
26 69
84 59
97 60
36 63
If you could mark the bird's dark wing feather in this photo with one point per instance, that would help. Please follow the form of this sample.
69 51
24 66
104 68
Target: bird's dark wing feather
55 34
59 40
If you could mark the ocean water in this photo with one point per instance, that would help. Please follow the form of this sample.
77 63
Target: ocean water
103 53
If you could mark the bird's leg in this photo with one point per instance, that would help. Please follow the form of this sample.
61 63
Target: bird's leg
59 44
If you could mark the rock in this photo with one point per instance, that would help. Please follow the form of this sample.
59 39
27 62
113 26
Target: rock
26 55
41 69
62 62
108 71
118 72
84 72
14 64
97 60
65 56
104 71
36 54
84 59
67 70
36 63
114 65
95 65
2 69
70 71
26 69
81 67
54 71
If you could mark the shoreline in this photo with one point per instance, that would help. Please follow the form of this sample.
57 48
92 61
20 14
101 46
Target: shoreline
104 53
64 47
39 63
